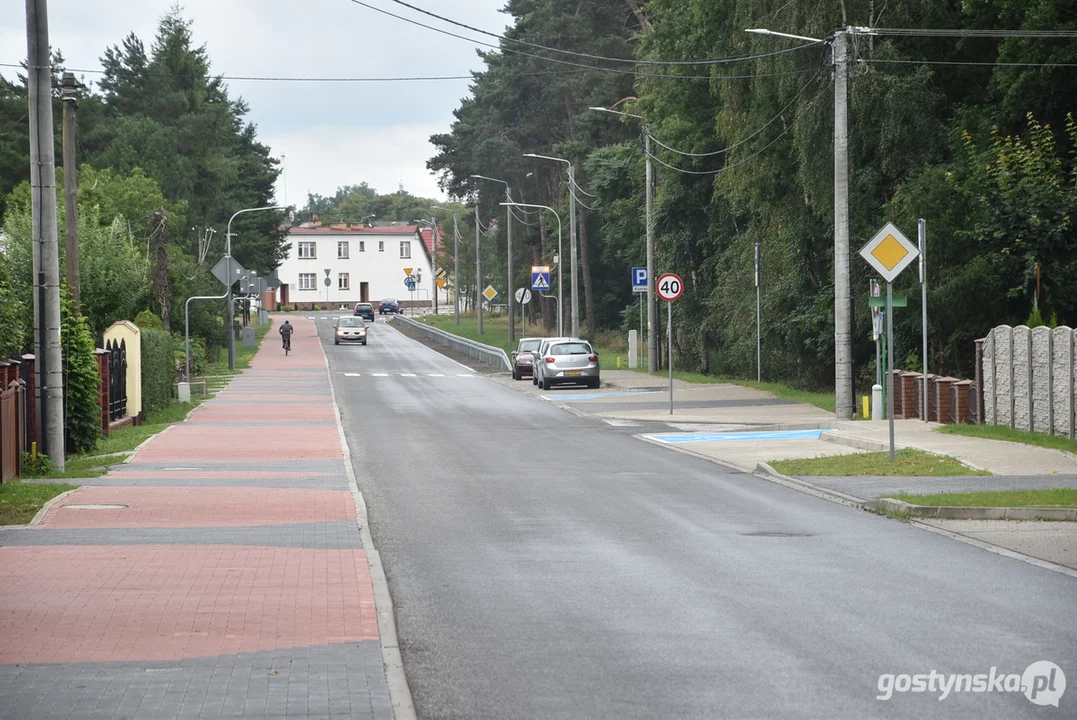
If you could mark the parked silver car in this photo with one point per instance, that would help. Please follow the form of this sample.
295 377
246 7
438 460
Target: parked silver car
540 352
567 361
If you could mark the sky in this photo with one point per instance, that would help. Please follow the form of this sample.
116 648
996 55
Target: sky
329 134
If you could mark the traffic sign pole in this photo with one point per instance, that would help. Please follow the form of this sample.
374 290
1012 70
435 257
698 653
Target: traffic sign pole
890 362
669 287
669 346
758 322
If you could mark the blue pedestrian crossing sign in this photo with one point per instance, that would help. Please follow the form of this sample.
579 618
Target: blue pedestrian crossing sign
639 279
540 277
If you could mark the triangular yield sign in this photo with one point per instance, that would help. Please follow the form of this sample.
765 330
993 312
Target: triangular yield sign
407 271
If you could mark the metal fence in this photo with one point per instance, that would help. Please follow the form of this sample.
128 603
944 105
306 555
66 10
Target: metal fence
117 379
488 354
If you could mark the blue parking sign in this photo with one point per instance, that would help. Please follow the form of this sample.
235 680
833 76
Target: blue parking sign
639 279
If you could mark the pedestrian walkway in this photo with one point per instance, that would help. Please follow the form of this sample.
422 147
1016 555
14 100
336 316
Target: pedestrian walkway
219 573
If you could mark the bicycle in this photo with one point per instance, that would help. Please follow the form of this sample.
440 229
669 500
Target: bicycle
287 345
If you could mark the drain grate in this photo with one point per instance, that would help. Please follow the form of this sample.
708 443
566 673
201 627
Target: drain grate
94 507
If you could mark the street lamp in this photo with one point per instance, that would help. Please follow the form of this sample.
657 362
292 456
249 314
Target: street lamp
572 238
560 315
456 262
228 254
652 346
508 281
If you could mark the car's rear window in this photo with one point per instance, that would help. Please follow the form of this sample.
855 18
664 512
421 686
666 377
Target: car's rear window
364 306
571 349
528 345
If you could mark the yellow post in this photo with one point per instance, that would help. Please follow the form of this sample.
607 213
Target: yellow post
618 362
33 450
866 413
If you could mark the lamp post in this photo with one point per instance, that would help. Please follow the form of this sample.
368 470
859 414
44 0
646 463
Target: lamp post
228 254
572 237
652 346
456 262
508 278
433 223
560 259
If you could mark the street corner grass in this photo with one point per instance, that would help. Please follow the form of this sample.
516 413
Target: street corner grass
999 432
20 501
80 468
1054 498
906 462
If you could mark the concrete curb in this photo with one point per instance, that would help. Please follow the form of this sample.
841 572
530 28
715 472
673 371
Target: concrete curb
944 512
144 443
399 692
765 471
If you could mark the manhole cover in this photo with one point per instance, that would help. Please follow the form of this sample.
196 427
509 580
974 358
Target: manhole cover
775 533
94 507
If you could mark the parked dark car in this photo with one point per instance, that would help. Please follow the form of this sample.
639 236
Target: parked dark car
523 358
365 311
388 305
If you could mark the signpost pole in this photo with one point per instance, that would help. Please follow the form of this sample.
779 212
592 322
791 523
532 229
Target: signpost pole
890 361
758 322
669 345
922 228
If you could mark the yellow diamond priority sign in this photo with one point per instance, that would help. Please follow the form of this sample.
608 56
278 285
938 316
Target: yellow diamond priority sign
889 252
489 293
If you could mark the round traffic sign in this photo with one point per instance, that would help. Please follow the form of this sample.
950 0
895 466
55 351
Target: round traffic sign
523 295
669 286
328 282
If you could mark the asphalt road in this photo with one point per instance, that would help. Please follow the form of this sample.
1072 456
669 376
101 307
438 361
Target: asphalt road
546 565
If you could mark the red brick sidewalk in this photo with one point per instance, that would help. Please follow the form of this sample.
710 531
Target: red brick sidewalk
233 580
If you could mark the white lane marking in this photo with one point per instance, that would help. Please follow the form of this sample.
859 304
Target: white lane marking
437 375
464 375
351 374
408 375
323 318
380 374
620 423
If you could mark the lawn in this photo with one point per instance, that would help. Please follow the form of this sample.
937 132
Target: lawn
906 462
1058 497
1000 432
20 501
80 467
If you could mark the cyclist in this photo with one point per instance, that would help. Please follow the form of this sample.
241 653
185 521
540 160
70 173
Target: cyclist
286 334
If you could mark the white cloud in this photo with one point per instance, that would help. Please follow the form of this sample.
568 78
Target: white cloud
323 158
331 133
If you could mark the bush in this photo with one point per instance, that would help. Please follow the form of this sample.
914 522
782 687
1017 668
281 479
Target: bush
82 392
146 320
158 370
198 354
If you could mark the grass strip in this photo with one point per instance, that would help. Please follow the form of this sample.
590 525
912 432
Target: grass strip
906 462
20 501
999 432
1053 498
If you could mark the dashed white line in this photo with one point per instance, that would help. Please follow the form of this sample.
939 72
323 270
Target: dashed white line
408 375
467 375
380 374
351 374
437 375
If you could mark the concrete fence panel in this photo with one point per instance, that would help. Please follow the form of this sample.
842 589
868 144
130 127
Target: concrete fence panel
1029 379
1040 386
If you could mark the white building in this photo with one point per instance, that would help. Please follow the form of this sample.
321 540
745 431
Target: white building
363 264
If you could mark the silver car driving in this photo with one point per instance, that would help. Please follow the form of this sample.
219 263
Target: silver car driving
567 361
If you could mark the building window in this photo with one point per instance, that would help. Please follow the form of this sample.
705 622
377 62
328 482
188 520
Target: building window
362 246
381 246
343 281
306 251
342 249
405 248
308 281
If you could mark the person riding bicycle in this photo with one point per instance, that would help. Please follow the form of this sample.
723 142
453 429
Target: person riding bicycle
286 334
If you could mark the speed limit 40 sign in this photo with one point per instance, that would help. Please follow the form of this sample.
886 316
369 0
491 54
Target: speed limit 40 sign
669 286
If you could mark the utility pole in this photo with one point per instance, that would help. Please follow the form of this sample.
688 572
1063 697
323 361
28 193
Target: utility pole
434 258
572 249
478 269
456 269
508 276
48 357
652 346
71 187
843 337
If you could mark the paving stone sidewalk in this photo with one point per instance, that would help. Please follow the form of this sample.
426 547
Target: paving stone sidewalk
231 581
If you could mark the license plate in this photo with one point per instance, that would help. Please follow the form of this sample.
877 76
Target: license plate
573 372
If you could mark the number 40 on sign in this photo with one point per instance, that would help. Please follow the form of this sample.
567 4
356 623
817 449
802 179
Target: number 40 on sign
670 286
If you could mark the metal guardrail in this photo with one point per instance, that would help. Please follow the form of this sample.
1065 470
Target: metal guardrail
488 354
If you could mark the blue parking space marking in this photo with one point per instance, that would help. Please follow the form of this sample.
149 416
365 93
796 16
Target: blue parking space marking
592 396
679 438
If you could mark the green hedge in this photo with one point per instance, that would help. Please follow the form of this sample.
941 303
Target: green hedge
82 396
158 370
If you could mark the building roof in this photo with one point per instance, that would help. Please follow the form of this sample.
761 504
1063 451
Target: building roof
328 230
428 239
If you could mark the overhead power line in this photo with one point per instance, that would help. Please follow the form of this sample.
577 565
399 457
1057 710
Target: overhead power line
761 150
969 62
603 58
558 61
740 142
957 32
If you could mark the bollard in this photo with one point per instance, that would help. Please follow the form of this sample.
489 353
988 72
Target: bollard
865 407
633 349
877 402
184 392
